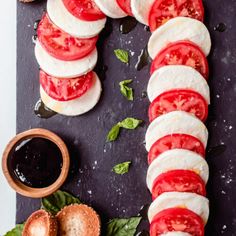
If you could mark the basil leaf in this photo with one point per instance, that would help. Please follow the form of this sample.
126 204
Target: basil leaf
122 55
17 231
122 168
130 123
123 227
113 133
55 202
125 90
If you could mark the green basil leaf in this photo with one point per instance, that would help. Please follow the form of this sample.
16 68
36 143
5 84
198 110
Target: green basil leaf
123 227
55 202
122 168
130 123
122 55
113 133
125 90
17 231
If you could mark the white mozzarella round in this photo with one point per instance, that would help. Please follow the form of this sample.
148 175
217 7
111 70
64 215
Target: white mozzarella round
192 201
64 69
177 159
77 106
177 77
61 17
176 122
179 28
176 233
141 9
110 8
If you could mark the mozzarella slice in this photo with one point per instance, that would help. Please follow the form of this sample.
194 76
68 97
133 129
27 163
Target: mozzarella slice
193 202
176 233
141 9
64 69
177 77
177 159
176 122
110 8
77 106
70 24
179 28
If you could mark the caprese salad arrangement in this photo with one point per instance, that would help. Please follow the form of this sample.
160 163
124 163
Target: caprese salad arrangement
176 138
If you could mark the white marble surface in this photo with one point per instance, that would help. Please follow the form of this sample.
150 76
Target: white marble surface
7 104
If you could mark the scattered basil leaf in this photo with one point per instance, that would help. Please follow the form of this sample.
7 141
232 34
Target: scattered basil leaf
122 168
130 123
113 133
125 90
55 202
123 227
122 55
17 231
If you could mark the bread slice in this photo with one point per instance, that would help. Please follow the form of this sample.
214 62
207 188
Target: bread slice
78 220
40 223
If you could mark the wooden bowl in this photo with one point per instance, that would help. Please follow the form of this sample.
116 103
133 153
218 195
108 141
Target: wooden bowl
18 186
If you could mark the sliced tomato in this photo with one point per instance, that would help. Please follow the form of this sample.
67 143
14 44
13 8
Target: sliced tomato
177 219
175 141
163 10
179 100
182 53
61 45
84 9
66 89
178 181
125 6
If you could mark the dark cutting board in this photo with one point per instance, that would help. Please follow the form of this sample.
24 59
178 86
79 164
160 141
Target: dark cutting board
123 196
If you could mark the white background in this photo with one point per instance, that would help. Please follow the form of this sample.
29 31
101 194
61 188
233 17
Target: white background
7 105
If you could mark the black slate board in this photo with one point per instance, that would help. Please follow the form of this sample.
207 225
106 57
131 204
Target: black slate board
95 184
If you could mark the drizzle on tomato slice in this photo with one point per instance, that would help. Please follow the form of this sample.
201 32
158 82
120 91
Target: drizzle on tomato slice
175 141
182 53
179 100
177 219
178 181
60 44
66 89
86 10
164 10
125 6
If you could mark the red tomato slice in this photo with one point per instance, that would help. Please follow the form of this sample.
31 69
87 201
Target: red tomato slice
62 45
84 9
182 53
125 6
177 219
175 141
66 89
179 100
178 181
163 10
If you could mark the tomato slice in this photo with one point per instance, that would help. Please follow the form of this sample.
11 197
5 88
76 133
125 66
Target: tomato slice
178 181
163 10
182 53
66 89
125 6
179 100
86 10
175 141
177 219
61 45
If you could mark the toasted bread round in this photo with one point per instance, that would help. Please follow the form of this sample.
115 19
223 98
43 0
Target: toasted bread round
79 220
40 223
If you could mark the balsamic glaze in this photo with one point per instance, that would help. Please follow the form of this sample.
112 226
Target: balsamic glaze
216 151
144 94
34 38
221 27
127 24
35 162
147 28
42 111
144 212
143 233
143 59
36 24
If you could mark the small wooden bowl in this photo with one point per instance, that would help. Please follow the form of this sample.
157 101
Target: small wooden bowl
18 186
